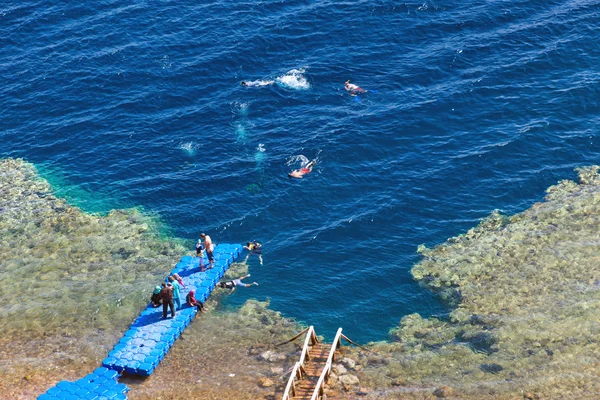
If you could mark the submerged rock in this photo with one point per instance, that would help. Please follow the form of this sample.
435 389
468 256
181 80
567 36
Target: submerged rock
265 382
443 391
339 369
350 380
272 356
348 363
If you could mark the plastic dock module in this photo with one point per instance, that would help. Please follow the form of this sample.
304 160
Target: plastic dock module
150 337
100 385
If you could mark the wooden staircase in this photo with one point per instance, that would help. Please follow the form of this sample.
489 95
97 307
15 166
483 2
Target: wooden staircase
310 374
312 371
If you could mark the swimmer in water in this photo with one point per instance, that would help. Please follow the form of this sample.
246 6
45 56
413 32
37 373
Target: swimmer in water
257 83
299 173
353 89
231 285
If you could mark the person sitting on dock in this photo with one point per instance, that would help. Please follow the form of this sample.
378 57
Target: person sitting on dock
156 299
192 301
231 285
254 247
166 293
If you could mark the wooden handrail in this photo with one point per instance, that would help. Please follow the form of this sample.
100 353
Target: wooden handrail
299 367
320 387
337 342
290 385
312 337
294 338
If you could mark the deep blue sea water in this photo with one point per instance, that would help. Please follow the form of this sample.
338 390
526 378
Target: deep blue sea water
479 106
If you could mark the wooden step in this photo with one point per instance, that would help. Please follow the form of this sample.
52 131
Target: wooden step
313 368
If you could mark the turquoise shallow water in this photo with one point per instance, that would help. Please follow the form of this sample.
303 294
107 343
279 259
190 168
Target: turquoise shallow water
478 107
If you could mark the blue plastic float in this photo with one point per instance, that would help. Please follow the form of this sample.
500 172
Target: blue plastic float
150 337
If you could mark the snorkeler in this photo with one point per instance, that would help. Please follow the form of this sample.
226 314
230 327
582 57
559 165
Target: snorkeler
231 285
299 173
254 247
353 89
258 83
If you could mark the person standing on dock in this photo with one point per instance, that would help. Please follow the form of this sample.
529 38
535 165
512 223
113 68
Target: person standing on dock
176 292
180 280
209 247
199 250
166 294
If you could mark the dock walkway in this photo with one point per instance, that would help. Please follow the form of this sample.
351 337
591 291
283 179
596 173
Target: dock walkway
150 337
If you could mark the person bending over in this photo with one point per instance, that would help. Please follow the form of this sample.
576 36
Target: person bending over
156 299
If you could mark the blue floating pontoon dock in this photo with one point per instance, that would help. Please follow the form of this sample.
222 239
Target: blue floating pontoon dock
150 337
100 384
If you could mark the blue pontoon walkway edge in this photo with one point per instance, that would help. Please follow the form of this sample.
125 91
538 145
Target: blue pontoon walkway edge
150 337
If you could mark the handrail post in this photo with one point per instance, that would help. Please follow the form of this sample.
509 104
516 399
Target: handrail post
291 385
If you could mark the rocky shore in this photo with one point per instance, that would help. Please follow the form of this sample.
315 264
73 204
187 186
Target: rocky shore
521 290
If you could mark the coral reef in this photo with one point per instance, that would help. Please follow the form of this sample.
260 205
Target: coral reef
524 292
67 268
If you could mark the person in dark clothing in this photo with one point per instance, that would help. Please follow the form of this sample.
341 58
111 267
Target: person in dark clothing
166 294
156 299
254 247
192 301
